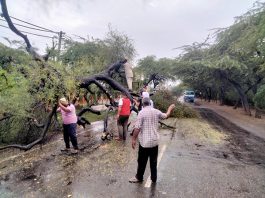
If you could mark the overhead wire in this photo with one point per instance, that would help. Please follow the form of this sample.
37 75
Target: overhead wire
34 28
79 37
30 27
67 37
33 24
38 28
31 33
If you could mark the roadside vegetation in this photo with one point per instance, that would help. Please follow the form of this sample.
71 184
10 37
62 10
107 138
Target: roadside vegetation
163 98
28 89
229 67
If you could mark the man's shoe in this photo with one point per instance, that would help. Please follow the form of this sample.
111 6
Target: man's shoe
135 180
65 150
74 151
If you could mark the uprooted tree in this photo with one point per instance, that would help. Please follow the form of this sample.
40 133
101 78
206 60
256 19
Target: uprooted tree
51 79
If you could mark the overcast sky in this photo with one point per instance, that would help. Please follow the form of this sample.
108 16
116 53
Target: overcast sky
155 26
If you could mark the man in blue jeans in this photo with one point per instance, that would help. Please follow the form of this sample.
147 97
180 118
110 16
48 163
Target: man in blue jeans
146 129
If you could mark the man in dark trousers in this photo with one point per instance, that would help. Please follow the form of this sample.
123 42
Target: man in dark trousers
124 111
69 124
146 129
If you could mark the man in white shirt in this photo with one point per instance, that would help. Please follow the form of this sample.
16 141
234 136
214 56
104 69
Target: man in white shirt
146 129
128 74
145 94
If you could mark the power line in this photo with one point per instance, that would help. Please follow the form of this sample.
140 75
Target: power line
41 29
40 35
30 27
67 37
32 24
80 37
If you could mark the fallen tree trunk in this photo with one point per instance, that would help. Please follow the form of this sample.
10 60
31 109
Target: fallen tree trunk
40 139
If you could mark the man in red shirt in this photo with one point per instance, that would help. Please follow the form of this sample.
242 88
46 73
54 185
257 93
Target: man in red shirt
123 115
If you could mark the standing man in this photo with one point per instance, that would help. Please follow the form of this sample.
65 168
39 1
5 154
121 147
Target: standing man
69 124
124 111
145 94
128 74
146 129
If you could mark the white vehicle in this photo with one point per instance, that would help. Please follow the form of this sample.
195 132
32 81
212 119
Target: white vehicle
189 96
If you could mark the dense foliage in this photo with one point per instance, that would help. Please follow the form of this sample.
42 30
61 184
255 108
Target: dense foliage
163 98
28 87
230 69
260 98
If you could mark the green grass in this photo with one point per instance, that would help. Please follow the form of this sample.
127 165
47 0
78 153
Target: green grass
91 117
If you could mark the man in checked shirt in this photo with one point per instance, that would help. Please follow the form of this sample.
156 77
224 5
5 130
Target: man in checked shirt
146 129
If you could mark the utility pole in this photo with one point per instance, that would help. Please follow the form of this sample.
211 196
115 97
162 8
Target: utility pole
59 44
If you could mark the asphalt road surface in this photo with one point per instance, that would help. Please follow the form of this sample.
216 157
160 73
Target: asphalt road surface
207 157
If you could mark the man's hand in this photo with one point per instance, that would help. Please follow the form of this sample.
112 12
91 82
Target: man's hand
136 131
133 143
169 109
172 106
59 104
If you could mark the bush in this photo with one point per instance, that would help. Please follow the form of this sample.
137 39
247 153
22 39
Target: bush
230 97
162 99
259 99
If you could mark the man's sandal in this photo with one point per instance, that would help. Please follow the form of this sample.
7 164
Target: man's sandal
65 150
135 180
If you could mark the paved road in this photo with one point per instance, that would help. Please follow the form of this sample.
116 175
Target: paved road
199 159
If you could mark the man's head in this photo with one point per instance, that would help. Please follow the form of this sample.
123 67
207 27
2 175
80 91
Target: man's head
146 102
145 94
64 101
123 95
123 61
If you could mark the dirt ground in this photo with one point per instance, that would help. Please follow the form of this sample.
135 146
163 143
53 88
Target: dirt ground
208 156
237 116
242 145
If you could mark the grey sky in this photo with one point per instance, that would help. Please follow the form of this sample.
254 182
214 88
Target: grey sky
156 26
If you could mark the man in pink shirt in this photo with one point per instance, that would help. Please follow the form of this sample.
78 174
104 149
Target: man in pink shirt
69 124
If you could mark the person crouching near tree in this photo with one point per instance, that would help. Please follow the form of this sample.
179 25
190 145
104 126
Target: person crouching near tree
69 124
124 111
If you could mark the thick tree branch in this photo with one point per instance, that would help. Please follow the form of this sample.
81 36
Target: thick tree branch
104 90
40 139
115 67
88 109
5 117
168 126
115 85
